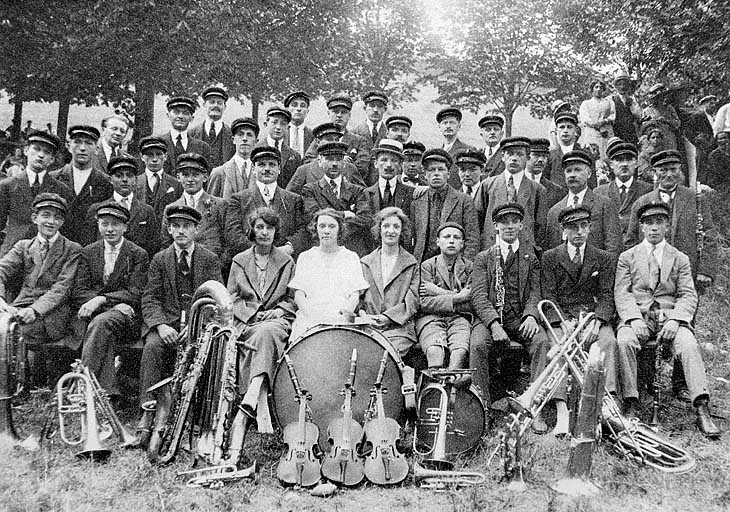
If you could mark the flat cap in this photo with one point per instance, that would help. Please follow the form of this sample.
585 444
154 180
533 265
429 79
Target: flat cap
245 122
649 126
182 102
508 209
148 143
621 75
44 138
436 155
448 112
339 100
656 90
332 148
83 130
539 146
515 142
451 224
559 106
261 152
722 135
215 90
121 163
192 161
182 212
621 148
326 129
50 200
113 209
402 120
470 156
413 147
651 209
565 115
388 146
705 99
375 96
666 157
577 156
279 111
297 94
574 214
491 119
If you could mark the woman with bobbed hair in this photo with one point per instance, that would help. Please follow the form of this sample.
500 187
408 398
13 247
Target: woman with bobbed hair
328 279
391 300
597 115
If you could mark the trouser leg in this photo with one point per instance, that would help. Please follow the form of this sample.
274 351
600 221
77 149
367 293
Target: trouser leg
627 347
158 362
480 344
103 336
688 351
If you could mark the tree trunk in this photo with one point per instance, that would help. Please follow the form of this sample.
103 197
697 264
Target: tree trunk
62 121
144 112
255 103
17 116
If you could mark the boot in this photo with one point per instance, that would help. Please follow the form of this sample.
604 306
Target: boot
704 420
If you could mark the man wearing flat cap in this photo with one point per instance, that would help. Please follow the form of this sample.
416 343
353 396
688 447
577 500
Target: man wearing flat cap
236 174
722 119
213 131
375 104
471 170
174 275
17 192
438 204
566 126
299 136
449 123
114 130
46 266
628 110
605 231
511 186
292 234
491 129
535 170
180 112
88 185
277 126
107 294
625 187
413 173
155 187
339 108
398 128
656 299
716 173
701 246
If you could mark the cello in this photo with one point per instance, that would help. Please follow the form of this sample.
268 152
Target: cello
342 464
298 465
385 465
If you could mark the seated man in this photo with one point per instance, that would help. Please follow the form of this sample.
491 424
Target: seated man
656 298
445 301
174 275
505 283
578 278
112 274
44 267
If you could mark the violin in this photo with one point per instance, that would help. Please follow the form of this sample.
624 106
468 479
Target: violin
298 465
385 465
342 464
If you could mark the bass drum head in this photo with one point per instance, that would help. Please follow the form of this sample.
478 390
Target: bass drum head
321 360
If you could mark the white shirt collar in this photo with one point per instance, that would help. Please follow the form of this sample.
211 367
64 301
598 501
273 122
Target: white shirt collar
118 197
150 173
108 246
628 183
218 126
534 177
31 176
370 125
107 149
382 182
581 195
178 251
517 178
447 147
184 136
241 162
504 247
572 248
271 187
565 149
51 240
195 198
271 142
658 249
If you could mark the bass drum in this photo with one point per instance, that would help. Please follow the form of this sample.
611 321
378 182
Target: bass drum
321 359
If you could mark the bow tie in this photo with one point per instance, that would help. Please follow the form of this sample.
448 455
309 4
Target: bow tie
415 181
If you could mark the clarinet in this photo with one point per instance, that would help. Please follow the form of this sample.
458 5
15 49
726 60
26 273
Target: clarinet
499 285
700 228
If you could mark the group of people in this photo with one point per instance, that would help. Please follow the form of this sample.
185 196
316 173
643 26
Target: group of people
445 250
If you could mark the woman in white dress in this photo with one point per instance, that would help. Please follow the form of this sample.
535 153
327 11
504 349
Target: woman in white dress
328 278
597 115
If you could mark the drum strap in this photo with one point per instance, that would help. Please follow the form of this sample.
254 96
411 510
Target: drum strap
408 389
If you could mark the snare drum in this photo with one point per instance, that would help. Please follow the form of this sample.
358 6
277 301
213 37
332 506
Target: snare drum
321 359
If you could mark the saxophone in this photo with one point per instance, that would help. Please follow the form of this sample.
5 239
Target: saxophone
499 286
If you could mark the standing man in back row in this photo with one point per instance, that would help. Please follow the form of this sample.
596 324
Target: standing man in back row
299 137
449 121
180 112
213 131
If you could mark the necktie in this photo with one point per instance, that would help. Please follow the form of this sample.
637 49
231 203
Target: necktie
44 249
654 272
375 133
294 139
510 253
183 263
387 195
179 149
211 133
575 200
155 182
469 189
511 192
665 196
109 263
576 258
267 195
333 186
124 202
622 194
491 152
36 187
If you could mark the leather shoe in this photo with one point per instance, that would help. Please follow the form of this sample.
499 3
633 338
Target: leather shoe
538 425
704 421
631 408
682 394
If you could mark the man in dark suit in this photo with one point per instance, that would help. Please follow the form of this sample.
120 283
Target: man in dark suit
716 173
180 111
213 131
174 275
449 121
108 291
339 109
292 234
491 128
154 187
114 130
535 170
373 129
299 137
143 227
17 193
605 231
236 174
334 191
625 188
398 128
441 203
413 173
88 185
471 171
277 125
566 125
628 110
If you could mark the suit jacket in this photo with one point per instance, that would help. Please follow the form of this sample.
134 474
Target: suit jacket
397 296
483 294
352 198
634 291
402 197
554 192
363 130
96 189
434 307
211 230
682 232
16 205
588 290
492 193
221 147
194 146
357 151
290 162
98 159
637 189
289 206
308 138
717 170
554 171
457 147
143 229
46 284
311 173
243 286
168 191
457 207
494 165
228 179
161 300
605 226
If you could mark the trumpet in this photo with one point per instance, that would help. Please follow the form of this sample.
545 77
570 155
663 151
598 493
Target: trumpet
214 477
440 480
